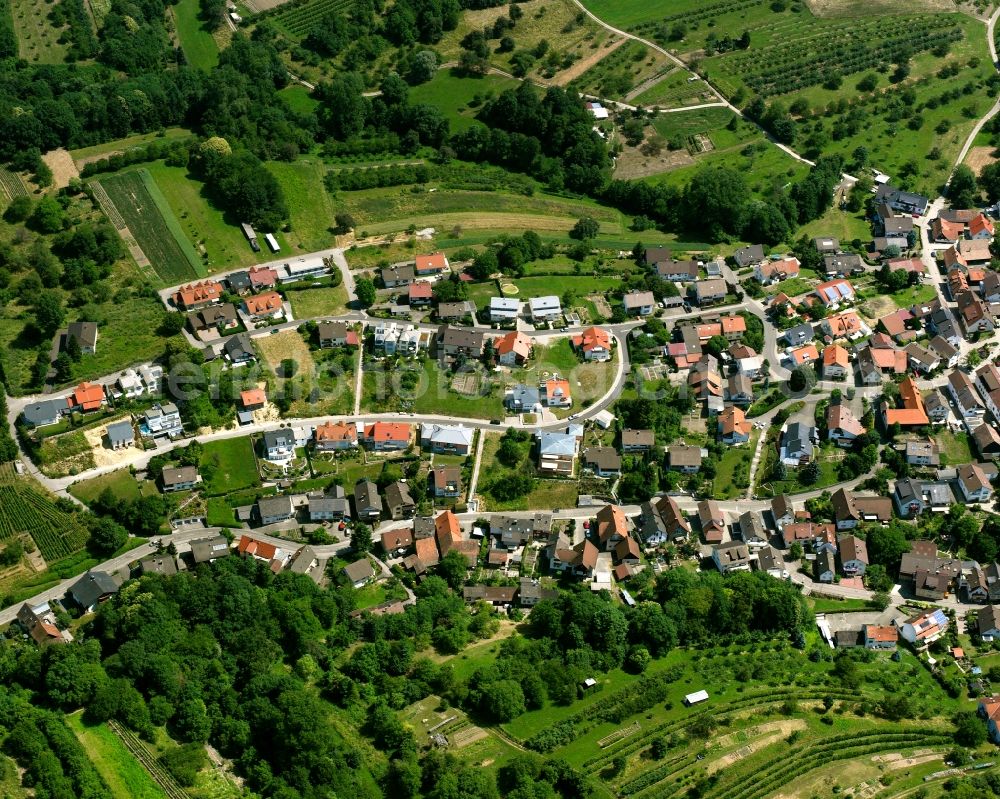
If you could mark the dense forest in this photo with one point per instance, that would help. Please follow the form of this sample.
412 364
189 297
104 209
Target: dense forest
258 664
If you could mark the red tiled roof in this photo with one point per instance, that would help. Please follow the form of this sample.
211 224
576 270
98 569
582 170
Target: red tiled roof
253 396
387 431
263 303
592 338
337 431
88 396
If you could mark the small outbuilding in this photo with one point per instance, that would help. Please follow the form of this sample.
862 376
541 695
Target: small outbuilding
695 698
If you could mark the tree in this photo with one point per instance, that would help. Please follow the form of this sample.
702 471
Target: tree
48 312
172 324
659 748
48 216
106 536
963 192
454 568
365 289
361 538
502 700
809 473
877 579
881 600
586 228
970 730
795 551
484 265
344 223
886 546
989 181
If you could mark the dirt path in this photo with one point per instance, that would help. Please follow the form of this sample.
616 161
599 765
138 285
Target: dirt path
581 66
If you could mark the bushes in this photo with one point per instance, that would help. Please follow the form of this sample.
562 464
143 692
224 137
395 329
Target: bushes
8 38
376 177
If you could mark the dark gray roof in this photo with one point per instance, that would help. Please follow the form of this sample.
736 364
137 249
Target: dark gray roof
366 496
274 506
206 549
83 332
278 438
239 346
239 280
44 411
745 256
398 493
158 564
359 570
120 431
92 587
799 334
180 474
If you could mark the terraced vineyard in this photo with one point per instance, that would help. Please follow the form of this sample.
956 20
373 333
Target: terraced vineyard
301 19
25 509
11 185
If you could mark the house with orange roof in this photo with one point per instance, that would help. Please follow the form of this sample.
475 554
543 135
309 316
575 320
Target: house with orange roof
947 231
800 356
734 429
86 397
449 536
843 428
768 272
420 294
382 436
845 325
332 436
274 556
981 227
911 412
880 637
262 277
432 264
555 393
513 349
836 362
782 304
253 398
197 295
611 526
835 293
594 344
267 305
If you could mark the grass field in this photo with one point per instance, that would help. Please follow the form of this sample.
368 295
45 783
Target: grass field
146 212
197 42
124 775
955 447
394 209
733 473
38 40
309 204
84 154
231 466
622 68
674 90
219 243
121 482
318 301
65 454
842 225
298 98
459 97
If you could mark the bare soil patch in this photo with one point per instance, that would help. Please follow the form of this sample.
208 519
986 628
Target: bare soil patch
979 157
62 166
895 761
103 456
287 344
264 5
633 163
768 734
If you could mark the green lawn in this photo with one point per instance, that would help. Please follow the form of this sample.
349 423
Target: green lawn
955 447
127 143
38 41
914 295
124 775
121 482
309 204
842 225
298 98
580 285
732 475
793 287
197 42
310 303
231 466
219 513
459 97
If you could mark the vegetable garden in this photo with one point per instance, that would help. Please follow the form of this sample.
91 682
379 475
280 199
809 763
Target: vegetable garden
26 510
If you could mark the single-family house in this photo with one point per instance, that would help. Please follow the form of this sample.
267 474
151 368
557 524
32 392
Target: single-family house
198 295
522 399
925 627
545 309
239 349
835 293
262 277
880 637
446 439
333 436
853 553
732 556
92 589
271 510
922 453
683 458
825 566
639 303
557 452
86 397
662 521
455 341
712 520
85 334
46 412
446 481
433 264
359 573
594 343
513 349
850 510
420 294
396 276
279 445
711 291
836 362
843 428
749 256
768 272
383 436
677 271
637 440
398 501
504 309
367 502
120 435
973 483
734 429
797 443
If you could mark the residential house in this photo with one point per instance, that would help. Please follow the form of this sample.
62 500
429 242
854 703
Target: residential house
922 453
44 413
945 350
991 287
239 349
639 303
705 381
504 309
262 277
367 502
433 264
797 441
396 541
749 256
987 441
384 436
769 561
880 637
626 551
359 573
802 356
912 413
734 429
92 589
712 520
39 622
968 403
158 564
179 478
446 439
846 324
545 309
86 397
799 334
602 461
751 529
239 282
279 445
677 271
663 521
921 360
973 483
336 334
268 305
579 560
253 399
711 291
513 349
398 501
731 557
898 326
637 440
162 420
465 341
825 566
419 294
556 452
555 393
330 507
850 510
768 272
936 407
905 202
197 295
925 627
271 510
455 311
782 511
85 334
989 710
397 276
836 362
975 314
610 526
683 458
594 343
449 536
853 553
334 436
826 245
446 481
842 426
835 293
738 390
523 399
215 317
843 264
988 624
